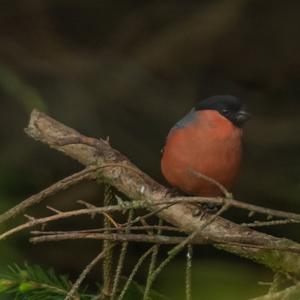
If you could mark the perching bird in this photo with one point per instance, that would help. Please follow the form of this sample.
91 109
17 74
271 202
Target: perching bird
206 141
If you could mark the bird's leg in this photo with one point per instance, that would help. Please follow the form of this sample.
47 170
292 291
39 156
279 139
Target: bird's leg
197 208
210 208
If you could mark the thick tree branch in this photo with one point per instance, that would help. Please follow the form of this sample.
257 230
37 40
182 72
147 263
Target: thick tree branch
118 171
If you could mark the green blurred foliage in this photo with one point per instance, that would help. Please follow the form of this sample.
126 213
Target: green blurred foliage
213 279
31 282
14 87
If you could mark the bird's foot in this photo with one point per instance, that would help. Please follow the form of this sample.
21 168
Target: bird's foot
201 209
210 208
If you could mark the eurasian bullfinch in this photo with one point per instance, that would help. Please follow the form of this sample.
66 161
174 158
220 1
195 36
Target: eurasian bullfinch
206 141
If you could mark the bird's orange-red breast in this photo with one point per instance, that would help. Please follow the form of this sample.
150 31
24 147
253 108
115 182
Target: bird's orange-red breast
206 141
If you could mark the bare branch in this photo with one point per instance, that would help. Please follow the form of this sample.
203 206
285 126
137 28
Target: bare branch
241 205
155 239
128 179
112 229
69 214
212 181
180 246
124 237
270 223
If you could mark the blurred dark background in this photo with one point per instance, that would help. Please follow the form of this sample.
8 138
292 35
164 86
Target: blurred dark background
129 70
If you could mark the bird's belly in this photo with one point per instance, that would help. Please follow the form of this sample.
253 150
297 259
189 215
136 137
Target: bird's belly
184 160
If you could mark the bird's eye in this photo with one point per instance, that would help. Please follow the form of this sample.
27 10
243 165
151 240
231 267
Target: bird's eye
225 111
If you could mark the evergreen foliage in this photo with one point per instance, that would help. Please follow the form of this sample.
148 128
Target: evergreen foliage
34 283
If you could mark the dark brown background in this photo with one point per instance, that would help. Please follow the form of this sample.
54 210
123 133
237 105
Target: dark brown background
130 70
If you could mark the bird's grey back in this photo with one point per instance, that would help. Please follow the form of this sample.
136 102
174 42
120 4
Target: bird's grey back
187 119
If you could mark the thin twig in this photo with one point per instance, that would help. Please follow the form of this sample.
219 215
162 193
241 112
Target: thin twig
123 237
57 211
113 229
134 270
125 206
87 173
212 218
148 204
153 213
188 275
241 205
90 211
121 261
107 262
85 272
161 239
73 213
180 246
276 283
212 181
63 184
152 264
291 292
269 223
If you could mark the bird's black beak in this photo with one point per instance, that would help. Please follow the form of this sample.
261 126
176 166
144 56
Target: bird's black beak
242 116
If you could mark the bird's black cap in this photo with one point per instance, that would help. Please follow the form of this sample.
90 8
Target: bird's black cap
228 106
